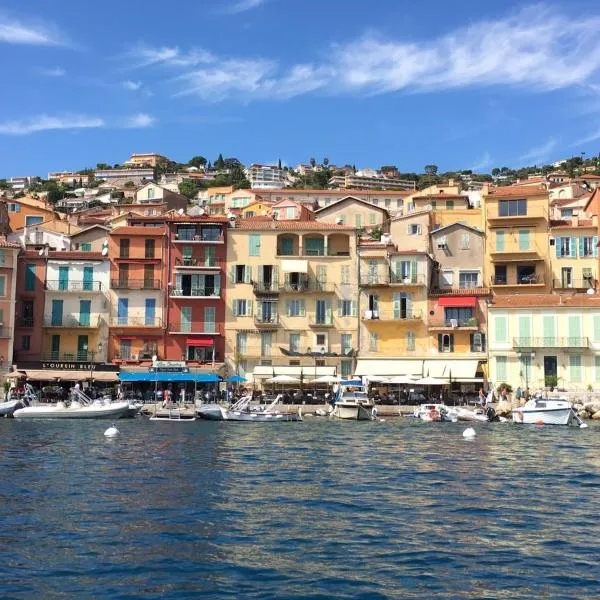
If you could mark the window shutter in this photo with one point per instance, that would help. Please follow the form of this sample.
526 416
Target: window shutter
340 308
408 229
248 308
573 247
409 308
328 310
275 276
234 308
557 246
596 328
302 308
286 279
247 274
595 244
396 306
483 347
353 308
472 342
413 270
451 342
581 240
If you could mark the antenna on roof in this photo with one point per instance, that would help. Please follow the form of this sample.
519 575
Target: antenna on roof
104 251
41 252
201 212
231 216
180 211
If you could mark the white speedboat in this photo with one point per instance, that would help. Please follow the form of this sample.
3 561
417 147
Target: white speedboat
211 412
478 415
547 411
243 410
75 410
435 412
9 407
352 403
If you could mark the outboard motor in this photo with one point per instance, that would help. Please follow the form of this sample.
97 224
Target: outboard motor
491 414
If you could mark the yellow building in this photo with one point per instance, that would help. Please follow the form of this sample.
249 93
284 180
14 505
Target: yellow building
516 227
291 299
257 209
574 253
151 159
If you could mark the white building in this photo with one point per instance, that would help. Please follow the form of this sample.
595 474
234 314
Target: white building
266 176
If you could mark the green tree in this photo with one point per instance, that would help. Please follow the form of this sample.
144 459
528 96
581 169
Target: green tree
129 184
431 170
495 172
313 162
219 163
55 191
3 184
197 161
188 189
103 166
325 162
279 164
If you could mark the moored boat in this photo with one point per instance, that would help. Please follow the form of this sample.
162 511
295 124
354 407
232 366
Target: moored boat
9 407
75 410
547 411
243 410
435 413
352 402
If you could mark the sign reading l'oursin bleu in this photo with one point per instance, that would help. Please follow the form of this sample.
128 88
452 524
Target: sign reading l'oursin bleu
65 366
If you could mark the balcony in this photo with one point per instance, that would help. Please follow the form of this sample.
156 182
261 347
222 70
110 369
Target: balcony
196 328
196 293
82 321
25 322
93 287
474 291
266 321
471 324
260 287
79 356
199 235
135 284
530 215
529 281
309 286
6 332
575 284
512 251
380 316
197 263
551 342
136 321
409 280
375 279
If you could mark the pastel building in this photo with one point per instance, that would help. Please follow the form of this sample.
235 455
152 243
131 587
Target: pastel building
8 290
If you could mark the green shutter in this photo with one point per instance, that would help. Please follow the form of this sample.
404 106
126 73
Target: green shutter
557 245
254 244
597 368
548 329
413 271
596 328
574 324
575 368
523 239
501 370
501 328
595 245
525 328
573 247
397 297
499 241
581 239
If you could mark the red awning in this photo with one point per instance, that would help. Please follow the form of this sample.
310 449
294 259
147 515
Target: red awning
200 342
458 301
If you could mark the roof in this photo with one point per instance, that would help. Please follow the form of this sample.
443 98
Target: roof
288 225
414 213
206 219
593 199
29 201
138 230
568 224
350 198
330 192
4 243
542 300
86 229
584 177
442 196
457 224
517 190
76 254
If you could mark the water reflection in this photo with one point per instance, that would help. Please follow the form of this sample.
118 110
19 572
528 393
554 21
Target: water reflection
394 509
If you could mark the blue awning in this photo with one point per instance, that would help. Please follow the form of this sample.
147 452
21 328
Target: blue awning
167 377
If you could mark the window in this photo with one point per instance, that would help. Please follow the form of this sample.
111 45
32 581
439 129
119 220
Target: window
149 277
512 208
499 241
414 229
465 241
462 316
566 213
27 313
597 368
523 239
434 204
346 368
86 247
296 308
373 342
358 221
446 342
321 339
266 341
241 342
125 349
447 278
31 220
2 285
123 248
501 368
575 368
294 342
242 308
587 246
14 207
346 343
150 193
254 243
501 330
26 342
468 279
477 342
372 218
449 204
30 277
347 308
387 202
411 340
290 212
345 274
342 219
149 249
241 274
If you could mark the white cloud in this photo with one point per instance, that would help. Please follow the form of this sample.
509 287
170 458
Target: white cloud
133 86
243 6
47 122
539 153
483 162
16 32
536 48
590 137
139 121
55 72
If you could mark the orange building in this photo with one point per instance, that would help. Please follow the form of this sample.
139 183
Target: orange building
28 212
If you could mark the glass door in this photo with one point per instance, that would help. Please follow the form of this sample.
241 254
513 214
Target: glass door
88 279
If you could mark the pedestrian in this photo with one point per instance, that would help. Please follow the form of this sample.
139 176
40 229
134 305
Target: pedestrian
481 398
519 394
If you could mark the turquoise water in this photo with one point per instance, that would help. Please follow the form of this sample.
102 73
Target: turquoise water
310 510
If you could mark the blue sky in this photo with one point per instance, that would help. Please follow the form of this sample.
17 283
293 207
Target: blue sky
462 84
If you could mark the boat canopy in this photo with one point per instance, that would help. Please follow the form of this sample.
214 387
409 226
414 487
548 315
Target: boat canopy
167 377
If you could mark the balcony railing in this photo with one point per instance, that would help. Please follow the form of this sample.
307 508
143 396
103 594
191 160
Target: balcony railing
531 212
312 253
266 320
198 236
25 322
206 292
73 321
374 279
308 286
551 342
518 281
260 287
135 284
196 327
379 315
6 332
73 286
471 323
321 321
136 321
413 279
201 263
575 284
79 356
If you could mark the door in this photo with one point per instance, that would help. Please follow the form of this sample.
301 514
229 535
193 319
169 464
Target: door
209 319
372 271
85 307
57 313
566 274
550 370
186 319
82 347
88 279
322 311
149 277
55 348
210 256
150 313
122 311
63 278
123 275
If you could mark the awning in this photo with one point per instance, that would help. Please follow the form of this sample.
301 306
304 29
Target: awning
294 266
52 375
166 377
388 367
458 301
197 342
457 370
294 371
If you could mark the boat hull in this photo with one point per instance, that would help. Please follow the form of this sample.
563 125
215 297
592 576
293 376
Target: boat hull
352 412
211 412
253 417
111 411
8 408
558 416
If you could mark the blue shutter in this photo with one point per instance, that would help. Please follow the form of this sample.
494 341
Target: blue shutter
573 247
88 279
595 244
580 239
557 244
84 312
150 313
57 312
122 310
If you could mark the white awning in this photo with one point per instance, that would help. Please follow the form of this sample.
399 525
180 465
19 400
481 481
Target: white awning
50 374
458 370
294 266
307 372
388 367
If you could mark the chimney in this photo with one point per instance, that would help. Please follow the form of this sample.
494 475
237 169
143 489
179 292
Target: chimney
595 220
575 221
450 182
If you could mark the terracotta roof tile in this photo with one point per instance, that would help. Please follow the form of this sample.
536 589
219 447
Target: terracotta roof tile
138 230
4 243
290 225
517 190
442 196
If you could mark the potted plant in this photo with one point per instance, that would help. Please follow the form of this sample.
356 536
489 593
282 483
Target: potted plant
551 382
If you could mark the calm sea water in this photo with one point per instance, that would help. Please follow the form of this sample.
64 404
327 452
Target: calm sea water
310 510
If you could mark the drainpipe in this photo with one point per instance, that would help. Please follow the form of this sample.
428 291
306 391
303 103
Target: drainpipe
358 329
166 276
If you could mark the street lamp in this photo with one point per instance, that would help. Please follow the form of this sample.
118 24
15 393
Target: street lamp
93 353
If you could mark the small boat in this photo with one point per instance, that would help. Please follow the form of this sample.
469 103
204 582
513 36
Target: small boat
9 407
243 410
352 402
436 412
547 411
211 412
134 409
479 415
174 414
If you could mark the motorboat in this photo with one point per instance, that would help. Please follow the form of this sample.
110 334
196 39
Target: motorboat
211 412
546 411
8 408
79 407
436 412
478 415
17 398
134 409
243 410
352 402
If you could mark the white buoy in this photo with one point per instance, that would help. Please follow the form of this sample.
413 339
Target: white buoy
469 433
112 431
583 426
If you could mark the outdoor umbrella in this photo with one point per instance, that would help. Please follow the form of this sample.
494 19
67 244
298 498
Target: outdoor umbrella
326 379
283 379
236 379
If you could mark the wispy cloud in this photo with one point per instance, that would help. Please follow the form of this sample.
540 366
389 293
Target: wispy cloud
55 72
132 86
483 162
17 32
47 123
593 136
242 6
139 121
539 153
535 49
